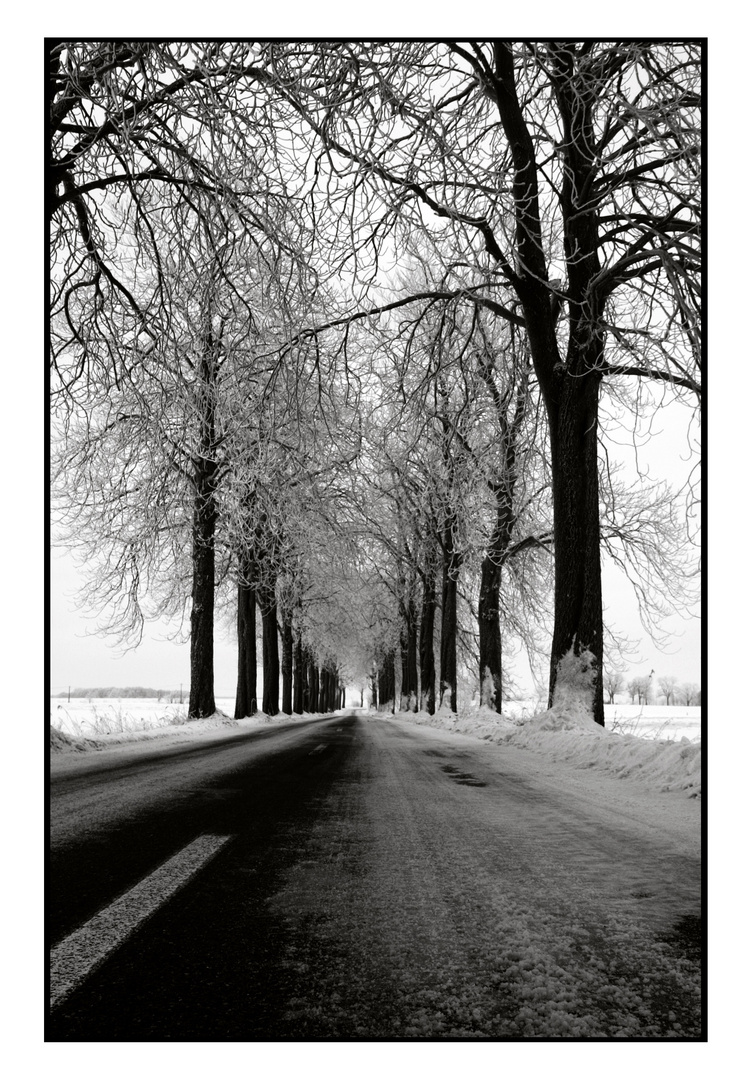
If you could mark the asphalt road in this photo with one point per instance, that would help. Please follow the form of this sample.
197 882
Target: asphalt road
372 880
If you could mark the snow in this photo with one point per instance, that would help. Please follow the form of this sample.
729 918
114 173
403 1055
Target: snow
81 724
662 751
667 764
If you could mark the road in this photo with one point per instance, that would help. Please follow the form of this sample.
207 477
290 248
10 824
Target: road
366 878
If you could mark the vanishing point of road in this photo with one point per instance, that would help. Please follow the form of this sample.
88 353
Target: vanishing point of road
363 878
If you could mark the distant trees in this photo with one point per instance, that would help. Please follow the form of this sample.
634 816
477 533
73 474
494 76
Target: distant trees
639 688
688 694
613 683
667 686
118 692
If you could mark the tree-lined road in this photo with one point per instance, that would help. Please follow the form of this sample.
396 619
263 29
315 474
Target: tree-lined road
370 878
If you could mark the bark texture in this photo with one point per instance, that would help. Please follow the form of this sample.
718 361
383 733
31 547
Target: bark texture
287 662
246 694
201 700
408 648
270 648
427 662
298 699
451 565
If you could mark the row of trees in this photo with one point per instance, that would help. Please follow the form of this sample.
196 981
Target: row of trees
643 690
342 334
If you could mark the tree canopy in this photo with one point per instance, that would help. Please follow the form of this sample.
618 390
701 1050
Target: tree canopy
348 330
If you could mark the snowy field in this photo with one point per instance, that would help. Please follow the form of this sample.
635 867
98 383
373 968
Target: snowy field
656 721
89 717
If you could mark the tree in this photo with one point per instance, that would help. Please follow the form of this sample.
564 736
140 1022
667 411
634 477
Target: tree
642 688
613 682
246 695
148 207
667 685
137 476
688 694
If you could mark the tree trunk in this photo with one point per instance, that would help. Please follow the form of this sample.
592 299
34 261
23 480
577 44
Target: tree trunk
578 608
408 654
410 663
387 680
427 662
287 650
300 677
324 691
313 687
245 697
321 704
391 682
270 648
569 389
503 487
451 564
489 630
201 701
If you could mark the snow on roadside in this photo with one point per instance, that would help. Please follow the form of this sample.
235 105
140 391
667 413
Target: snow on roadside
82 726
567 733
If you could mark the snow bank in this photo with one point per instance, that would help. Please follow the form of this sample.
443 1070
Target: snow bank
567 732
480 723
61 742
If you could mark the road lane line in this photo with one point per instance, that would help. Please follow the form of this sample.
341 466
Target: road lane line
78 955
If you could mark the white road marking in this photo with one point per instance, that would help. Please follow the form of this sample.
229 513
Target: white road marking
78 955
318 749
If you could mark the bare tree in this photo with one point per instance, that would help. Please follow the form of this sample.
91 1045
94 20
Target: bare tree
688 693
667 685
613 683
